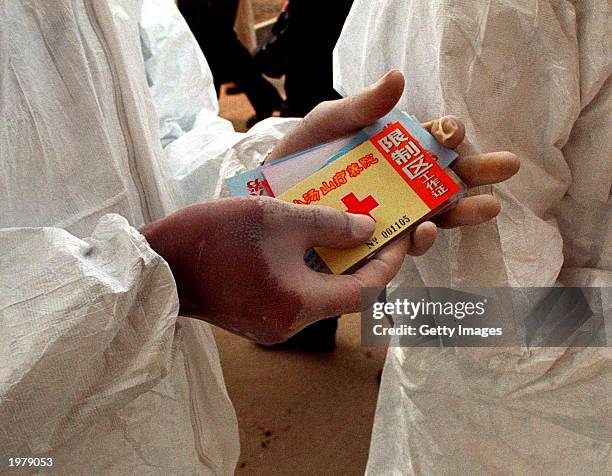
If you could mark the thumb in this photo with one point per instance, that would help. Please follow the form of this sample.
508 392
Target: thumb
325 226
334 119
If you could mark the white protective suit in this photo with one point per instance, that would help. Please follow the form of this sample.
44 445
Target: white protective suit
96 370
532 77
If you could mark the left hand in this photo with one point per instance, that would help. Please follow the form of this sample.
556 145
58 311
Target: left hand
334 119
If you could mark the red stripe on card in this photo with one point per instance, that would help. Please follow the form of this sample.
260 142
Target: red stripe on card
425 188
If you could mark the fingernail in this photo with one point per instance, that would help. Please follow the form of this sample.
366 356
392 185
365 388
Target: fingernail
448 125
362 226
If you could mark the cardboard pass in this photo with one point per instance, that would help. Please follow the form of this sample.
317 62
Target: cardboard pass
391 177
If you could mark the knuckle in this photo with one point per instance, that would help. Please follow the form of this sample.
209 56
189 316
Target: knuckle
323 107
345 224
309 120
362 115
419 250
264 207
314 117
251 211
339 226
251 203
333 224
317 121
313 216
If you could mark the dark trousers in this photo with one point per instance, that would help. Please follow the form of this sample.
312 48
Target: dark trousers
314 28
212 24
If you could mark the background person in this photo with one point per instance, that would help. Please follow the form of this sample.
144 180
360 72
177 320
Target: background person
313 30
212 23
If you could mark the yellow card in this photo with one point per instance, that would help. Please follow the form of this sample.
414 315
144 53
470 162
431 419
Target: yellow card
390 177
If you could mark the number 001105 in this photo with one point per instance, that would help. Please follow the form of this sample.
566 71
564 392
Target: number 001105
396 227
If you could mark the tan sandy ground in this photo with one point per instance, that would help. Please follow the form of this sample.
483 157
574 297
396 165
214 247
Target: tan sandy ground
299 413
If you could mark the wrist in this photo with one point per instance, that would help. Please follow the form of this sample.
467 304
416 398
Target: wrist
158 235
150 231
177 239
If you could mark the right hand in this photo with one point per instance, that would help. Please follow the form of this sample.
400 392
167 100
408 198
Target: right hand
239 264
331 120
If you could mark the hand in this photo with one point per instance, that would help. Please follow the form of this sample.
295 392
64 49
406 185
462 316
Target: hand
334 119
239 264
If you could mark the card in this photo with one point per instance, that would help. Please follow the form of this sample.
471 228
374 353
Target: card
251 182
275 178
391 177
285 173
443 156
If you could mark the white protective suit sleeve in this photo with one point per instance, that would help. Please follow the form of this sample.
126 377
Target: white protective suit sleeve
86 325
201 149
87 309
532 78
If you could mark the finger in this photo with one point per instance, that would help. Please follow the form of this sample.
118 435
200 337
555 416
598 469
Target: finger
338 295
470 211
334 119
325 226
422 238
448 130
384 265
487 169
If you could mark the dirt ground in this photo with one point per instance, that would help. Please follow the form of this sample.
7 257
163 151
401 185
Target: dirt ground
300 413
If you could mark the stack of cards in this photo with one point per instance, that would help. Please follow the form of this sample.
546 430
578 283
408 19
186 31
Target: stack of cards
393 171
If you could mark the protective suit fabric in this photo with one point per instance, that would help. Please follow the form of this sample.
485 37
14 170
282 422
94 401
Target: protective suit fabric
532 78
109 121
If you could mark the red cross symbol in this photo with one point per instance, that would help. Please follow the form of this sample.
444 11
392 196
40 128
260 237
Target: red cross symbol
360 207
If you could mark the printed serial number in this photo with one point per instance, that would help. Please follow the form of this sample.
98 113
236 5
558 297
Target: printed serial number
30 462
388 232
395 228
